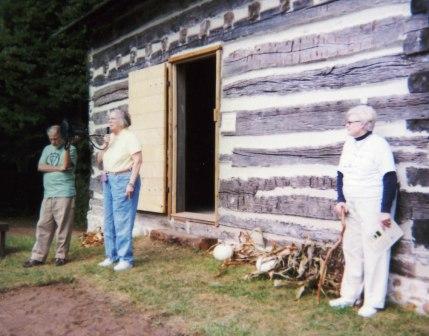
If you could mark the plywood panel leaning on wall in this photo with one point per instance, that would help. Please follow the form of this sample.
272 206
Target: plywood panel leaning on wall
148 110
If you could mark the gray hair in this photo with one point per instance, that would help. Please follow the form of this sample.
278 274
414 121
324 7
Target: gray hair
124 117
364 113
53 129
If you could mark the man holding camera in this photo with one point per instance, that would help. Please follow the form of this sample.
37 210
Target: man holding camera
57 162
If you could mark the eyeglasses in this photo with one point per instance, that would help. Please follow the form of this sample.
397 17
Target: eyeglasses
352 122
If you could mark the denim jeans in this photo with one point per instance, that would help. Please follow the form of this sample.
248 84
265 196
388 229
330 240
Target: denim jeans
119 216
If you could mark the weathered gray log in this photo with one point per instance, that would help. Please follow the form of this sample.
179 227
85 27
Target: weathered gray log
224 158
300 4
417 41
401 267
335 77
245 157
418 176
254 184
317 47
270 21
418 142
295 205
326 116
419 6
279 227
111 93
418 125
412 205
419 82
420 232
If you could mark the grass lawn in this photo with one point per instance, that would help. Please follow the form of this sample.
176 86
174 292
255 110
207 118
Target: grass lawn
179 285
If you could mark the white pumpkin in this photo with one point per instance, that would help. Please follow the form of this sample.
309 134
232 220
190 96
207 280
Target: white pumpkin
222 252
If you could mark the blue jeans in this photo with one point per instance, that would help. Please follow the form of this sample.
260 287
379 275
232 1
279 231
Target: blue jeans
119 216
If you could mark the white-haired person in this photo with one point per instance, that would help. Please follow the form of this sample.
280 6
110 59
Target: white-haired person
366 191
121 158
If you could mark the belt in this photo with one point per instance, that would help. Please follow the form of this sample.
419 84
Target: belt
120 172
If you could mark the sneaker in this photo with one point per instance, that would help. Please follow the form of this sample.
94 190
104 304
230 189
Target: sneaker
106 262
60 262
122 266
367 311
341 303
32 262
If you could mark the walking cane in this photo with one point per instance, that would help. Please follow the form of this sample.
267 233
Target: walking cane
325 263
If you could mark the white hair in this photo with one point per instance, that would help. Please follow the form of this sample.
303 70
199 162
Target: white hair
364 113
54 129
123 115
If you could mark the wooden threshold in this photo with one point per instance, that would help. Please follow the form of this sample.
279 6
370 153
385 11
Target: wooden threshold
204 218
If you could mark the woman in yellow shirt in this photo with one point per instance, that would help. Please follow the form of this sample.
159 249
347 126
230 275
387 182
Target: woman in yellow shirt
121 158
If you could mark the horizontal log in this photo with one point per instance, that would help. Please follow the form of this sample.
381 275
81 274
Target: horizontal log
335 77
254 184
318 47
419 6
418 125
244 157
111 93
418 176
401 267
110 89
419 82
420 232
419 142
280 227
270 21
417 41
326 116
294 205
412 205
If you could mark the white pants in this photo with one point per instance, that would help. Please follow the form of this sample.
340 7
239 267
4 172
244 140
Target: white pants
364 269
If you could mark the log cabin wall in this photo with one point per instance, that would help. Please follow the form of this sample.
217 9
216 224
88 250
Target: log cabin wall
290 70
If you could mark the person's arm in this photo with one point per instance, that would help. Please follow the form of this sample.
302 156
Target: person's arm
44 168
135 169
390 181
100 154
341 200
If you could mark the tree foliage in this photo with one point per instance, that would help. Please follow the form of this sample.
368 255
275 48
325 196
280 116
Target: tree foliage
42 76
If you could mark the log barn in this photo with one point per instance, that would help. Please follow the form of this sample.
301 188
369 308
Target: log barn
240 109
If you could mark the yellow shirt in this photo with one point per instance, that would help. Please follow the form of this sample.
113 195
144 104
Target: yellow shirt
117 157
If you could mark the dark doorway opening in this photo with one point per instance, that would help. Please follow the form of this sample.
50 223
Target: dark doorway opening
196 94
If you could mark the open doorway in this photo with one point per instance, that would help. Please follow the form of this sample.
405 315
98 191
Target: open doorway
195 135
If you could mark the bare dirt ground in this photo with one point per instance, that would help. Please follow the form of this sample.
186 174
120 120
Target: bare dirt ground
71 310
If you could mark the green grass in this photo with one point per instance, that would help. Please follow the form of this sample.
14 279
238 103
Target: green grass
180 285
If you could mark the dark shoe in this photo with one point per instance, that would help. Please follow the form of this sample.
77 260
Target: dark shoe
32 262
60 262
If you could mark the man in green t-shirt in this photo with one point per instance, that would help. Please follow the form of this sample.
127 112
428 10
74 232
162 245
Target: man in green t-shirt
57 163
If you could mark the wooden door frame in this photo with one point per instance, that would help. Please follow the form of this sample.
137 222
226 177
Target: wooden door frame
173 61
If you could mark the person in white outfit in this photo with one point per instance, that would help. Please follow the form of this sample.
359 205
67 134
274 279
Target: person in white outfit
366 189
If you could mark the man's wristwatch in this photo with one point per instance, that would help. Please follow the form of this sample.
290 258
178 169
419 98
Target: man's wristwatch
131 184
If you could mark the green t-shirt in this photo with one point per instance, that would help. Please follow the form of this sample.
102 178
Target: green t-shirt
58 184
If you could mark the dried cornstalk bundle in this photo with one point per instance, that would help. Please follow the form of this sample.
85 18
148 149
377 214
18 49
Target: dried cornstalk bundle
94 238
291 265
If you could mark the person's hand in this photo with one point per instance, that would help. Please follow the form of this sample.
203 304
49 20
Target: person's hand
129 190
106 141
340 207
385 220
